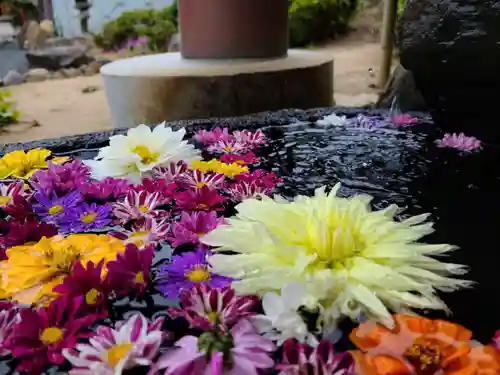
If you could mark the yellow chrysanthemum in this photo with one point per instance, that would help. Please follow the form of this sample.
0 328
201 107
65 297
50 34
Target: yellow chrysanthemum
22 164
32 271
352 260
216 166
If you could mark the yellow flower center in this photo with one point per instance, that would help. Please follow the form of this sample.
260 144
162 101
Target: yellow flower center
117 352
425 359
213 317
200 234
57 209
147 157
139 278
143 209
198 274
4 199
51 335
228 149
91 296
88 217
199 185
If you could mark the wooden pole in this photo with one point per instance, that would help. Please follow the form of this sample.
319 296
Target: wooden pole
387 40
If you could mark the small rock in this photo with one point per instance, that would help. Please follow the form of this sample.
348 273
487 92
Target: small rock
93 68
37 75
90 89
58 75
55 58
13 77
174 45
71 72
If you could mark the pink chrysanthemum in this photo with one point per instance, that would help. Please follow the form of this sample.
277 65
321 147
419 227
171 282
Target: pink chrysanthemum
459 142
243 159
112 351
209 137
40 336
301 359
86 281
251 139
192 226
9 317
230 146
107 189
260 178
171 173
164 188
137 205
205 307
244 352
243 190
196 179
203 199
60 178
131 270
404 120
9 191
144 232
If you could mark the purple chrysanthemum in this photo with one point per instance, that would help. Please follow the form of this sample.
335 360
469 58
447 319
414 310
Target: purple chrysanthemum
187 270
53 208
367 123
459 142
86 217
60 178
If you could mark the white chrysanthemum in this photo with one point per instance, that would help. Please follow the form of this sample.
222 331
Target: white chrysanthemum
362 261
332 120
134 155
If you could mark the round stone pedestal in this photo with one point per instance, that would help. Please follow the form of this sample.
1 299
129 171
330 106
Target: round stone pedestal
165 87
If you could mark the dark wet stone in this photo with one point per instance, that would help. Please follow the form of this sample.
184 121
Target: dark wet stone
452 47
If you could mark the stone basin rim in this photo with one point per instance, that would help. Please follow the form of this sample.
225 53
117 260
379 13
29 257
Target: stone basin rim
251 121
174 65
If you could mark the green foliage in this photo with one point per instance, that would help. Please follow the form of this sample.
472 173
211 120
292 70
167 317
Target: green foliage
8 113
316 20
401 6
157 25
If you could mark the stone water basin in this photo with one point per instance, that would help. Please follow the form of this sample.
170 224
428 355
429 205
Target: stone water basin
398 165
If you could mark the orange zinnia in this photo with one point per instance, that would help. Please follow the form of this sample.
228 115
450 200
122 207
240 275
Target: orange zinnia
420 346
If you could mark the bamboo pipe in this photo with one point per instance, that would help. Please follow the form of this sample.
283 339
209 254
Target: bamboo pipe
387 40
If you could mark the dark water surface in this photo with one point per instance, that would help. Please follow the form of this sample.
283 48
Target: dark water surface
400 166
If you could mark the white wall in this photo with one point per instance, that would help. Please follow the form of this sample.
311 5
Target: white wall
102 11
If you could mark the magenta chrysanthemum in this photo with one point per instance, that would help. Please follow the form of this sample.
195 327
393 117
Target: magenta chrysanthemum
196 179
9 191
205 307
163 188
132 343
459 142
60 178
203 199
209 137
192 226
171 173
137 205
242 159
230 146
105 190
9 317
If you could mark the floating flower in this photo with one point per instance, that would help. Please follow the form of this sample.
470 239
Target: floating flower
186 271
19 208
164 188
20 164
362 261
250 139
87 282
243 159
260 178
86 217
282 320
404 119
53 208
60 179
205 307
112 351
172 172
368 123
32 271
144 232
420 346
105 190
9 317
40 336
131 270
209 137
301 359
252 185
332 120
196 179
459 142
215 166
24 232
193 225
137 205
203 199
229 146
9 191
134 155
244 352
